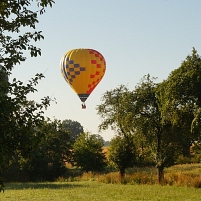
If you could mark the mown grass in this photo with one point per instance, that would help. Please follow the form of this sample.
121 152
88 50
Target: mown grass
95 191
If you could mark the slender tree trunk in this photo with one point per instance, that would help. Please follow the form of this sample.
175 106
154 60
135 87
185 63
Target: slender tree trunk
122 175
160 174
160 166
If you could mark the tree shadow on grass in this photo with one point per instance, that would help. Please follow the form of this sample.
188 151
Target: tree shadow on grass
21 186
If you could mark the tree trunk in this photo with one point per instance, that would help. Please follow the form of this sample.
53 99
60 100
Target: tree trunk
122 175
160 174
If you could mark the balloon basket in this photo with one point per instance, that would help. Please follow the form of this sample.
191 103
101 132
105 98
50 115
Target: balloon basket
83 106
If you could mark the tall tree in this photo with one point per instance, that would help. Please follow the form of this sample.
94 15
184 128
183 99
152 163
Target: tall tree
122 153
46 161
137 113
18 115
160 137
88 153
113 110
116 115
181 97
73 127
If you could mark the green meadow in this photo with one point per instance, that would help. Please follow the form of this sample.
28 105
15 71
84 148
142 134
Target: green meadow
96 191
182 183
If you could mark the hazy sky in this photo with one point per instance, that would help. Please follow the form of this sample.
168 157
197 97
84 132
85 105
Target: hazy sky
136 37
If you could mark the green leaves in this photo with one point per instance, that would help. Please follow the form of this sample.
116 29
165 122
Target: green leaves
73 127
180 96
18 115
112 108
88 153
14 16
122 152
183 84
46 159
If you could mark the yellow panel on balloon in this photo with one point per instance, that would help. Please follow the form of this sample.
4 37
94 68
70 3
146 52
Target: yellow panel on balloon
83 69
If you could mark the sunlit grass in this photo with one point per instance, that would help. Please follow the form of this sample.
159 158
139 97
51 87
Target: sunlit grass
96 191
182 182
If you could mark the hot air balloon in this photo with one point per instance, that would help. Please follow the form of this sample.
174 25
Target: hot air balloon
83 69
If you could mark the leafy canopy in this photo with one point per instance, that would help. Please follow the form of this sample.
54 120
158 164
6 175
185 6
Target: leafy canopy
18 21
88 153
18 115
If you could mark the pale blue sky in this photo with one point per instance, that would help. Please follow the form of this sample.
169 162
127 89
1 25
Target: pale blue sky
136 37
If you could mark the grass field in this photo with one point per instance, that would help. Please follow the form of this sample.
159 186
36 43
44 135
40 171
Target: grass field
96 191
182 183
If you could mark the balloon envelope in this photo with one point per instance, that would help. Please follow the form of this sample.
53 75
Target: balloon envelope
83 69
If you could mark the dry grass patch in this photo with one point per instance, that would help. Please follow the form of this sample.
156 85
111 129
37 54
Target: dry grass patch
184 175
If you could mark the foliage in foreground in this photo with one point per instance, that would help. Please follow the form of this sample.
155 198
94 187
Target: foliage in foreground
18 115
47 160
